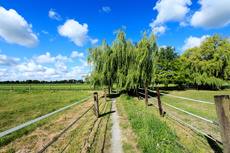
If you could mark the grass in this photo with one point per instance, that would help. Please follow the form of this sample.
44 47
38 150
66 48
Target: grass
207 111
155 135
20 106
46 86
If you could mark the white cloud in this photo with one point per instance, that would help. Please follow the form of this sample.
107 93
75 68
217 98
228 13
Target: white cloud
75 54
30 67
193 41
8 61
15 29
93 41
161 30
61 68
3 70
106 9
213 14
170 10
75 32
54 15
45 32
44 58
64 58
78 70
183 24
83 62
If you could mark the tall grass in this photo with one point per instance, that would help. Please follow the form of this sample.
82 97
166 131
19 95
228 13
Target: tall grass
155 135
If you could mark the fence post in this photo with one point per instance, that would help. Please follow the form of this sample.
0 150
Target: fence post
222 103
159 101
109 91
96 104
146 96
50 87
105 93
11 87
138 93
29 87
69 87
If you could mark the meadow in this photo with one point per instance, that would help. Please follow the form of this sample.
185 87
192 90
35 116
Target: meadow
161 134
20 106
45 86
193 141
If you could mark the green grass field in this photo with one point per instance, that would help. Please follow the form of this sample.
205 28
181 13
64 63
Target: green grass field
207 111
46 86
20 106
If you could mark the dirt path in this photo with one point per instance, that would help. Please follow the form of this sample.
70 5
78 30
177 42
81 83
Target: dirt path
116 146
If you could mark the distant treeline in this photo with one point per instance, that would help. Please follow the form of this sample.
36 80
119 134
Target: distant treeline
37 81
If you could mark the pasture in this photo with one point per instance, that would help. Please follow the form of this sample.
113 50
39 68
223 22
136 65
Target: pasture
20 106
45 86
191 139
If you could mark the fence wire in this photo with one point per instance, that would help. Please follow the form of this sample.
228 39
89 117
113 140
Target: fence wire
4 133
184 98
189 125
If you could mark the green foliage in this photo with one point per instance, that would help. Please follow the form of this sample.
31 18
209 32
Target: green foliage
209 64
169 67
123 62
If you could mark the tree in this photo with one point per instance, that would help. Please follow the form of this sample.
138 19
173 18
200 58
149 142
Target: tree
209 64
169 67
123 62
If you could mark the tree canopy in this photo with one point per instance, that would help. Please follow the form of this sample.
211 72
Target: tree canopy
141 63
123 62
208 64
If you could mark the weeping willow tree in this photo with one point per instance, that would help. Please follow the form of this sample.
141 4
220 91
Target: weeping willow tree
124 63
146 59
100 58
209 64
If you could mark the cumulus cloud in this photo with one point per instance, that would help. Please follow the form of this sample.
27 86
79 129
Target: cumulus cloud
3 70
170 10
45 32
54 15
76 32
44 58
93 41
84 63
193 41
106 9
30 67
61 68
15 29
8 61
213 14
63 58
159 30
183 24
76 54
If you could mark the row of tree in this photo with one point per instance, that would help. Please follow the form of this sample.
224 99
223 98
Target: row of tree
42 82
129 64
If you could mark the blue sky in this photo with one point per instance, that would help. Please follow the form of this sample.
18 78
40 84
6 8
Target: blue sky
47 40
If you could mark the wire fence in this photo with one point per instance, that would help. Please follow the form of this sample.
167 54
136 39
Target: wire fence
54 87
4 133
197 116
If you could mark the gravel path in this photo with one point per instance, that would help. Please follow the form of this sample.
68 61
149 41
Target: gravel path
116 132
